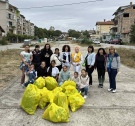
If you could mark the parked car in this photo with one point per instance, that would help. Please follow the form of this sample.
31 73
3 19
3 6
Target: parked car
27 42
96 41
115 41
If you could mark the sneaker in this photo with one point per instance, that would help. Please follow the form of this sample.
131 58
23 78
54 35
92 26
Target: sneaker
85 96
114 91
101 86
110 89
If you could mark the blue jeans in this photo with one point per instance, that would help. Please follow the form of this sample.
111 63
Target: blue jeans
85 90
112 78
31 79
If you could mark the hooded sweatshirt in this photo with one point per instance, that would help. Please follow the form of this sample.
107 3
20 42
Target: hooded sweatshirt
45 56
83 81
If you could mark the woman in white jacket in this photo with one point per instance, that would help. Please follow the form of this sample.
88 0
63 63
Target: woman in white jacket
90 62
56 58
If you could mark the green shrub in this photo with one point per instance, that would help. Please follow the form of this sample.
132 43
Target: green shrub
3 41
86 41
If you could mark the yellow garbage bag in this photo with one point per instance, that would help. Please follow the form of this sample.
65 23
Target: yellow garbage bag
55 114
44 98
75 101
30 99
51 83
70 90
67 83
51 96
57 90
40 82
61 100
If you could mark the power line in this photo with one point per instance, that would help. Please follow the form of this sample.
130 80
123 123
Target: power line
60 5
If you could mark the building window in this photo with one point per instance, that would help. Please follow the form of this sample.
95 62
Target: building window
126 15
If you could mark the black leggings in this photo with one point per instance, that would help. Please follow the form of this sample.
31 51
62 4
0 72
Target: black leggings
101 76
90 71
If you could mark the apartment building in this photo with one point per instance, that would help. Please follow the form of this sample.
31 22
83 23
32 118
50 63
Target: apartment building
12 21
124 18
103 27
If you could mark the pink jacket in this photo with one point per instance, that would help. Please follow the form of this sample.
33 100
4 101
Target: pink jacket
83 81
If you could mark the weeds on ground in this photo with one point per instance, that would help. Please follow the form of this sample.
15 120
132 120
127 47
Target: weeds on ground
9 66
127 56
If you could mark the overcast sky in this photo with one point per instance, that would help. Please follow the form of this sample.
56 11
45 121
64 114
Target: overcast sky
78 17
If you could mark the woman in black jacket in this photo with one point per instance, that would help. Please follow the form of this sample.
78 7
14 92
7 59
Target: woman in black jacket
42 70
100 64
46 53
36 57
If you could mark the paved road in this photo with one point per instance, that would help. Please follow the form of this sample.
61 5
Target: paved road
117 46
18 45
101 108
12 46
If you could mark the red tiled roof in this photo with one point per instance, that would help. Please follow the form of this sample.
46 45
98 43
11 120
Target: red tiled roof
105 23
126 32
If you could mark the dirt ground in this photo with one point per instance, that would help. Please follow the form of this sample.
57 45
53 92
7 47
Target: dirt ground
9 66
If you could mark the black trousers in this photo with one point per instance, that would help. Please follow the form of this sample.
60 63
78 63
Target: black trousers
90 71
101 76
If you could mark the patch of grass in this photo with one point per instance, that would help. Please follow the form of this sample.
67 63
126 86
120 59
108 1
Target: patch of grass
9 66
127 56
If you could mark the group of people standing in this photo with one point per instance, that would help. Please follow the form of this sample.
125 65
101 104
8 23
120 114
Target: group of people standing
43 63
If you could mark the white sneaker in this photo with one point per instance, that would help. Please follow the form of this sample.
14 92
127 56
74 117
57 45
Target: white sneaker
113 91
110 89
85 96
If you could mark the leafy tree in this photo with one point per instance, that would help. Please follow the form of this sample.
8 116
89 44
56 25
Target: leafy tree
57 33
86 34
132 34
74 33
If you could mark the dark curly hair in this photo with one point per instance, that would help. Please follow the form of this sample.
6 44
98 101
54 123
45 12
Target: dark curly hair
64 47
104 53
46 45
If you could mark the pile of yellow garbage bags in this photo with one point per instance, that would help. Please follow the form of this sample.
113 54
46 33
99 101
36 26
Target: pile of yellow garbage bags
56 101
